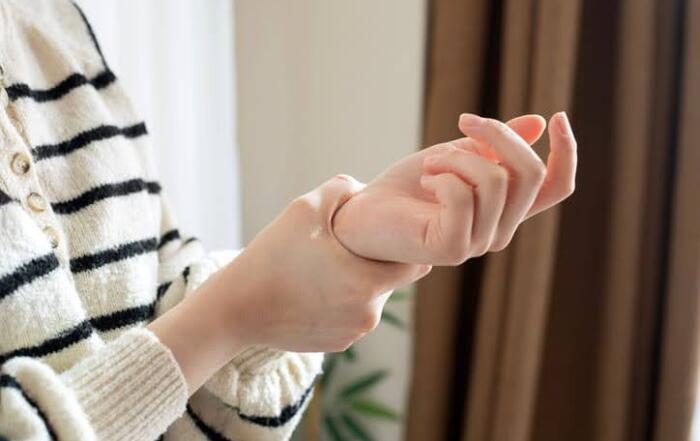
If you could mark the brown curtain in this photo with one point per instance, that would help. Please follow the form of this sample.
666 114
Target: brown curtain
585 328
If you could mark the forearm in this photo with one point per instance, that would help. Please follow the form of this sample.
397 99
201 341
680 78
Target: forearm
202 330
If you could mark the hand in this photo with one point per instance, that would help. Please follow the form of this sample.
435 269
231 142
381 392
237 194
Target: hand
462 198
307 293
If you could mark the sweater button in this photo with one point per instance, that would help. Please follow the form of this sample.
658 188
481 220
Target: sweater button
20 164
52 235
36 202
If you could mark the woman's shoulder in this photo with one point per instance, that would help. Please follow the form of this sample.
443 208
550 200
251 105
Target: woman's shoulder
49 26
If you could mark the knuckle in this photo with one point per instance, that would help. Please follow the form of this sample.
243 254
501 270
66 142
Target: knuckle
569 189
362 290
343 177
302 204
368 320
456 252
341 345
480 249
498 177
500 243
535 172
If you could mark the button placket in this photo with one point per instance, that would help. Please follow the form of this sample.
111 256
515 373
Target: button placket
23 181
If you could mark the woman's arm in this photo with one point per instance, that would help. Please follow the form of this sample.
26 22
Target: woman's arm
293 288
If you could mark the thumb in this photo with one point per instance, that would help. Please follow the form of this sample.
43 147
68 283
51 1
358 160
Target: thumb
528 127
332 194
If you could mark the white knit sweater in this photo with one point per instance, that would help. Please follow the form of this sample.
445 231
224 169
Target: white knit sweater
89 254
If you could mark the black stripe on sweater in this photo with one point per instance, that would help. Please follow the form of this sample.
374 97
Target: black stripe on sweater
124 317
8 381
186 275
87 137
4 198
163 287
83 330
27 273
105 191
285 416
21 90
189 241
208 431
105 257
58 343
92 34
168 237
288 412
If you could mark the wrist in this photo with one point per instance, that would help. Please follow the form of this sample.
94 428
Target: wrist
201 332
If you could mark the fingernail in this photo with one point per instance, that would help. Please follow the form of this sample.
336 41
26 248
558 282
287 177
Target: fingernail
564 125
469 119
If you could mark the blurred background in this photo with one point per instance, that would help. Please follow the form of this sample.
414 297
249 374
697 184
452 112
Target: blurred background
586 327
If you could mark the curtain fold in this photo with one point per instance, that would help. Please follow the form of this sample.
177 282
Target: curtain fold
585 327
678 380
455 70
537 76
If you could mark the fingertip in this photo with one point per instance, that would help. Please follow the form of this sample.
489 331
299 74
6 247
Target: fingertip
538 117
530 127
560 122
469 120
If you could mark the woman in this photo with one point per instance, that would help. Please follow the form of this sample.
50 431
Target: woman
113 326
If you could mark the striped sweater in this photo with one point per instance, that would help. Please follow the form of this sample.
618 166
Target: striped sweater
90 254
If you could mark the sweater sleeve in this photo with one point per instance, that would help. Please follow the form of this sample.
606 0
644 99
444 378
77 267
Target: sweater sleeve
264 390
130 389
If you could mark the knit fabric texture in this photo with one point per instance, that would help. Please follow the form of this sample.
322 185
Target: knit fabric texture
90 253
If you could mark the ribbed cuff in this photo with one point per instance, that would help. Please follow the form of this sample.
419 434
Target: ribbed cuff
132 389
254 358
262 381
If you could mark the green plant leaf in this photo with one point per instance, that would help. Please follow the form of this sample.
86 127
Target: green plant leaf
333 429
390 318
374 409
328 367
363 383
356 428
350 353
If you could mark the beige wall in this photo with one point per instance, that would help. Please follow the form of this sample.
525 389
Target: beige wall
324 86
330 86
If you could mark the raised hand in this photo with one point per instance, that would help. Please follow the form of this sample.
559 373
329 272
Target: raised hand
462 198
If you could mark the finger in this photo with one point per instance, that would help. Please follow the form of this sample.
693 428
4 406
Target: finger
561 166
447 236
529 127
524 166
490 182
388 276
